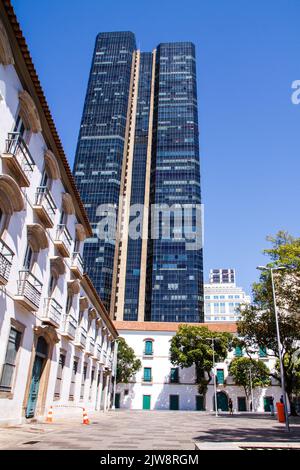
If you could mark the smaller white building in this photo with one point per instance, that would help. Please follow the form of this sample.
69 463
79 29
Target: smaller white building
222 297
161 386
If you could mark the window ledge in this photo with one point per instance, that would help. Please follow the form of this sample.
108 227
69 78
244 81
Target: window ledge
7 395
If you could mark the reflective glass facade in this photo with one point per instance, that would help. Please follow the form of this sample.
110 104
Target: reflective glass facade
174 275
100 148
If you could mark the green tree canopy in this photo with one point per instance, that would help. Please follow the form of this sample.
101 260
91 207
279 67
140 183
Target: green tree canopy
192 345
257 326
249 373
127 363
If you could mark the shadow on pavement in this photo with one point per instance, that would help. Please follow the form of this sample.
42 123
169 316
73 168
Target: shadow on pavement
238 432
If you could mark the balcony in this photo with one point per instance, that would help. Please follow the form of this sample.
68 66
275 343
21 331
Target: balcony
45 206
80 338
69 327
52 312
77 265
29 291
103 357
18 159
6 257
90 346
97 352
63 241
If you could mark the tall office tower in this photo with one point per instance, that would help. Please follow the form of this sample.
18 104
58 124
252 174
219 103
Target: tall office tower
153 98
100 148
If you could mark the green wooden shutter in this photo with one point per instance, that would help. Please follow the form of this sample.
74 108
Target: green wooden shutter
220 376
148 348
174 375
262 352
146 402
147 374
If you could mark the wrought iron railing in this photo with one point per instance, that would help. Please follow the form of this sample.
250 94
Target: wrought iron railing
6 257
77 261
52 311
91 345
29 287
16 146
63 235
70 325
81 336
44 199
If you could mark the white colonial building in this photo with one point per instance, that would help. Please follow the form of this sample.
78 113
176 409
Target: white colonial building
222 297
57 344
161 386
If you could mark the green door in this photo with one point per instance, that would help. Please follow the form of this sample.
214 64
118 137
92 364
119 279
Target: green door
41 354
174 402
222 401
199 403
242 404
34 386
267 403
146 402
117 400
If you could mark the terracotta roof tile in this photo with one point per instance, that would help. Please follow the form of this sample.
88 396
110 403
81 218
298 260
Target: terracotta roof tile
229 327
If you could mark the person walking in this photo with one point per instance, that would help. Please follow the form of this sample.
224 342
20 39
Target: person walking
230 406
272 406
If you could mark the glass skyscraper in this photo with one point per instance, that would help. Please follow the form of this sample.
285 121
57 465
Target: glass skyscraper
138 145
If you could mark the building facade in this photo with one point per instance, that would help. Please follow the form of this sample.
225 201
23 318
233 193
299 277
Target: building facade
222 297
161 386
57 343
138 150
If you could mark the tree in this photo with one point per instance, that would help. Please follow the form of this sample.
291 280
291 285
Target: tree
192 345
127 363
249 373
257 327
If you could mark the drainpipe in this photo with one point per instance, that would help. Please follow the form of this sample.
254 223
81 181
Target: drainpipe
114 373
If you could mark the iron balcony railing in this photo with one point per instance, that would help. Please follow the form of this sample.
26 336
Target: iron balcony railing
6 257
29 287
16 146
69 326
91 345
77 261
44 199
81 336
98 351
64 236
52 311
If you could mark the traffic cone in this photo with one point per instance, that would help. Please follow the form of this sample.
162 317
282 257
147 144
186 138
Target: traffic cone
85 417
49 418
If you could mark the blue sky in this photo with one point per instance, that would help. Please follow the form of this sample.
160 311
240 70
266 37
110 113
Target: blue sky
247 58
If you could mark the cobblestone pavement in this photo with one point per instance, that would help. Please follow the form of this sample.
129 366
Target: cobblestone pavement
148 430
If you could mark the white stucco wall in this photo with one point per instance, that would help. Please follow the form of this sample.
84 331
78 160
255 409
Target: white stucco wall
160 389
12 405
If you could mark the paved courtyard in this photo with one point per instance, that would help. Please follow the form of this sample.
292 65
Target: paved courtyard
148 430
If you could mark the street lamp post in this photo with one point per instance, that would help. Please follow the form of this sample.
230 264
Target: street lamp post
251 388
215 380
265 268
